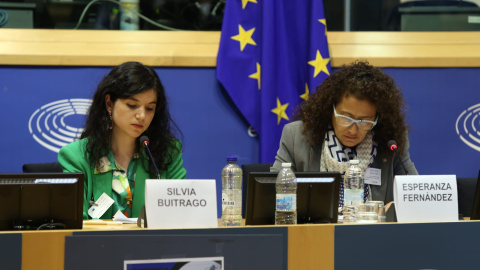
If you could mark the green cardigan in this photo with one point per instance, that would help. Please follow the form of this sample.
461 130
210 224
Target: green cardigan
72 158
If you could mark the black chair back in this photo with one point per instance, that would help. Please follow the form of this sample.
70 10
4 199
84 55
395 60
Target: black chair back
49 167
466 195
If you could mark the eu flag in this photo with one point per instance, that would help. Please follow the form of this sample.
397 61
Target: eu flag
272 55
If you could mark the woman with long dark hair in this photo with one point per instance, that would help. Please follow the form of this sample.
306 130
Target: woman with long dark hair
129 103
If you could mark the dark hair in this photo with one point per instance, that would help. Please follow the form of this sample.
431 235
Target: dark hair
363 82
122 82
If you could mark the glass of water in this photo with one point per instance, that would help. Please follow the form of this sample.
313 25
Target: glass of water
381 211
366 212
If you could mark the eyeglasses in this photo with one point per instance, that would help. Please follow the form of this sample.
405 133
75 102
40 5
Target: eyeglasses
346 121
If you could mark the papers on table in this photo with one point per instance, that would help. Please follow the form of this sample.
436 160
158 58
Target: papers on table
119 216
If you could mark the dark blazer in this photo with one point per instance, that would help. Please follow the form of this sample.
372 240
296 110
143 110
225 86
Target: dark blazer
295 149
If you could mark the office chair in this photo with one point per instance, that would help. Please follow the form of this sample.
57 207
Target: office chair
466 195
49 167
247 169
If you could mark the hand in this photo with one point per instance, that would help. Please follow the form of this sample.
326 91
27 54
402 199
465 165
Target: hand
388 205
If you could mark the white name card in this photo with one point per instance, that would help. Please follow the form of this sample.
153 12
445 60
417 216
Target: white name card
181 203
426 198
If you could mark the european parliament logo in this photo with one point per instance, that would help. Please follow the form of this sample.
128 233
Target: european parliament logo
57 124
468 126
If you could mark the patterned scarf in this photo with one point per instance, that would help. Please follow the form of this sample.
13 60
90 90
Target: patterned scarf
335 157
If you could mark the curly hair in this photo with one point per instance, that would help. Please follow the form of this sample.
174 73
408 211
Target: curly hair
124 81
364 82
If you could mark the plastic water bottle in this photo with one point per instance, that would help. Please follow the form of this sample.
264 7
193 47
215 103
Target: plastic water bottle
286 201
231 193
129 15
353 183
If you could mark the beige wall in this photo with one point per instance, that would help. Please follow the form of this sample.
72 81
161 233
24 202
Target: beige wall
199 49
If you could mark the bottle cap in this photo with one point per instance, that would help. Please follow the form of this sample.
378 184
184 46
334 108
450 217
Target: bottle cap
286 165
354 161
231 158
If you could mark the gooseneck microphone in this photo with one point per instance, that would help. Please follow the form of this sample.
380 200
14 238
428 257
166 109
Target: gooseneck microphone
145 142
392 145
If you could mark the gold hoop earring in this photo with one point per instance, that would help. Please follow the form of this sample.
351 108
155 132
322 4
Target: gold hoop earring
110 126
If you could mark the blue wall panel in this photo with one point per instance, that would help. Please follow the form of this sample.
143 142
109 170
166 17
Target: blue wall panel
436 99
213 128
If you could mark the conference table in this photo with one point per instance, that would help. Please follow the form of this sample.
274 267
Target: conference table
448 245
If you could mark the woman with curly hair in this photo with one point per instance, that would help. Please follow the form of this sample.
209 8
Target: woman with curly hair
129 102
353 115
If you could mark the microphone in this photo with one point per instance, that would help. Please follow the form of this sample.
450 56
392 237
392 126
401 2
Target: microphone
392 145
145 142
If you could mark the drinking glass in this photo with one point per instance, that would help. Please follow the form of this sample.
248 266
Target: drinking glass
381 211
366 212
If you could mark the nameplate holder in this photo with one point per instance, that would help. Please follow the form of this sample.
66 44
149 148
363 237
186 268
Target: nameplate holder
181 203
426 198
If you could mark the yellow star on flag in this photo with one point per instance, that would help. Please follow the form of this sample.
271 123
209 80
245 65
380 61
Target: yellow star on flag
244 37
307 92
280 111
256 75
324 22
245 2
320 64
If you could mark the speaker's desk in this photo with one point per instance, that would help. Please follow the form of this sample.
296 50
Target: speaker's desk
377 246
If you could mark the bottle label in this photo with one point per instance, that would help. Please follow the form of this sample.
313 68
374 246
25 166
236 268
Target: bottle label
226 201
353 195
287 202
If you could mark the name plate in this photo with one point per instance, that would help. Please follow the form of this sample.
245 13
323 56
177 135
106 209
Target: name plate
181 203
426 198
